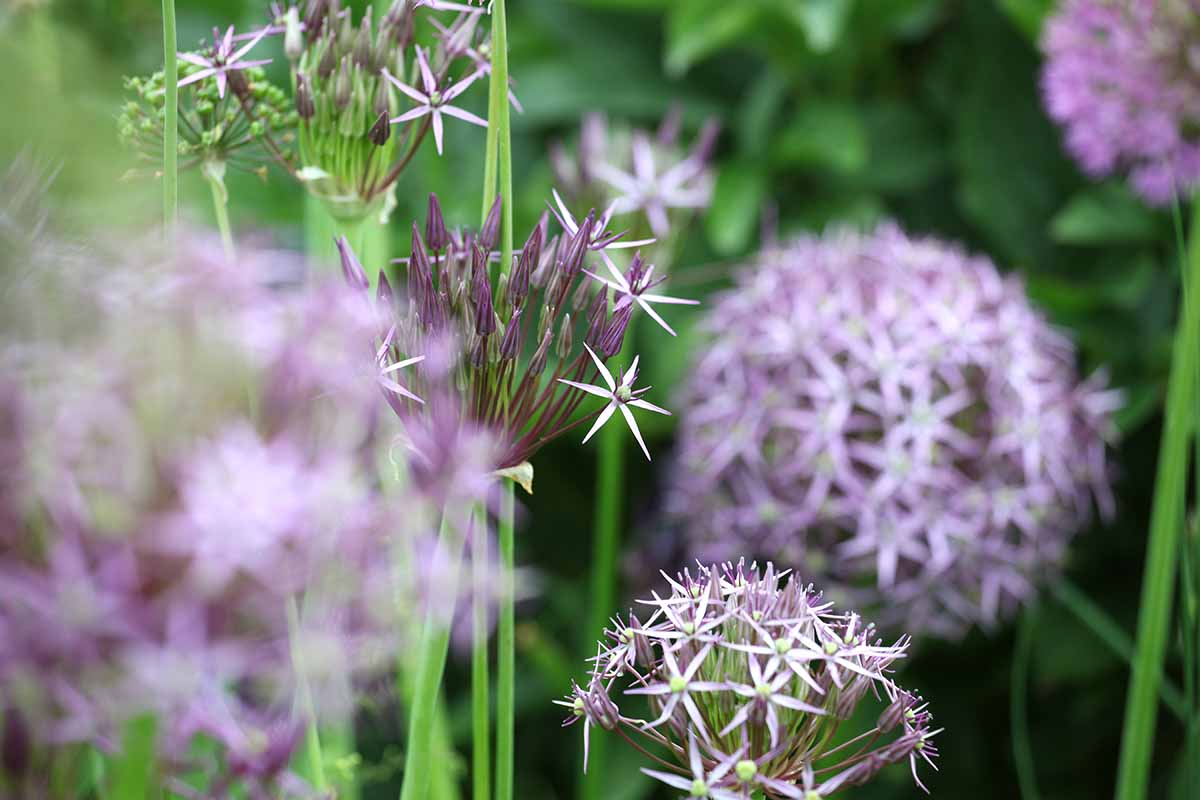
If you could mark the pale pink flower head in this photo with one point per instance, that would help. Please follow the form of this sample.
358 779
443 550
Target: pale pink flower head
1123 79
892 414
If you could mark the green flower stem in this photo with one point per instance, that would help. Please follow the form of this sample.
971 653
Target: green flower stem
1018 710
481 727
431 665
370 239
171 123
1110 633
220 198
1166 524
498 95
133 768
312 760
506 644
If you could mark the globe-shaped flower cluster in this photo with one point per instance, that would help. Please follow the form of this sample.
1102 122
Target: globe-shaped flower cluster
892 414
1123 78
748 677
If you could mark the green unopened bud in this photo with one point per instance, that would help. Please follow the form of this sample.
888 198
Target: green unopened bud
566 339
746 770
293 38
344 86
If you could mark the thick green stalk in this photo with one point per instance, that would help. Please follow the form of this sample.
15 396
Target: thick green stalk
312 760
506 645
1166 524
171 122
431 666
481 727
1018 710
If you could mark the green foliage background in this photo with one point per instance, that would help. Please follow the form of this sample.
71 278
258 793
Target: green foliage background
833 111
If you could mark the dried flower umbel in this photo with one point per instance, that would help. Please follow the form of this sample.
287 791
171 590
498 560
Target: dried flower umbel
895 415
517 352
749 677
1123 78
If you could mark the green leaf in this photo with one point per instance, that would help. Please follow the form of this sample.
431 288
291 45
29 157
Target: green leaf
521 474
737 200
1106 214
822 21
824 134
1028 15
905 149
698 28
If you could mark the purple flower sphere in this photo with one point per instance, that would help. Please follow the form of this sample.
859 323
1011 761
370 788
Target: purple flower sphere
1123 78
892 415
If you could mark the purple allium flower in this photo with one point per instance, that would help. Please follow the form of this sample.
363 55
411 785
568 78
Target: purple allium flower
435 100
747 675
224 60
893 414
186 474
639 172
515 355
1123 78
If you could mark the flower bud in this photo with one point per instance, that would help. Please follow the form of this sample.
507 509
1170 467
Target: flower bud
293 38
489 235
380 131
328 62
614 334
343 87
364 44
352 270
510 345
304 100
537 364
566 339
485 322
435 223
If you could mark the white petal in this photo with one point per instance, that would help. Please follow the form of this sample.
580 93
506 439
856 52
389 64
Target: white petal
633 427
604 373
604 417
589 388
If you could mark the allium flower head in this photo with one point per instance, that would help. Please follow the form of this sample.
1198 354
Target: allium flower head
1123 78
180 477
637 172
893 414
747 676
517 354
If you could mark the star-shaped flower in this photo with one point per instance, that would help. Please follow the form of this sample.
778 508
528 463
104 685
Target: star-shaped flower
224 59
633 288
679 186
602 239
620 395
770 689
434 101
702 784
387 370
678 687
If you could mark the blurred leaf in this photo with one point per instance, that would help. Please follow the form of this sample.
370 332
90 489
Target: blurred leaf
1028 15
822 21
737 200
904 147
758 111
1141 403
637 5
698 28
824 134
1007 151
1124 287
1105 214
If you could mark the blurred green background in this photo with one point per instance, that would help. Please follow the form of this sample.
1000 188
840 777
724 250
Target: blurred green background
925 111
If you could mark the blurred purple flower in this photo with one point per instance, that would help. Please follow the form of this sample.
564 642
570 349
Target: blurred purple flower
1123 79
894 415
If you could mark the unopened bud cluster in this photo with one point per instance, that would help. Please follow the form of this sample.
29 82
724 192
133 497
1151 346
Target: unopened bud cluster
747 676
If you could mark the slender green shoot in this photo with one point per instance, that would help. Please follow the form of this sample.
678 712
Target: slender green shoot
1162 552
481 721
431 666
312 760
1018 710
214 174
506 646
171 122
1106 629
